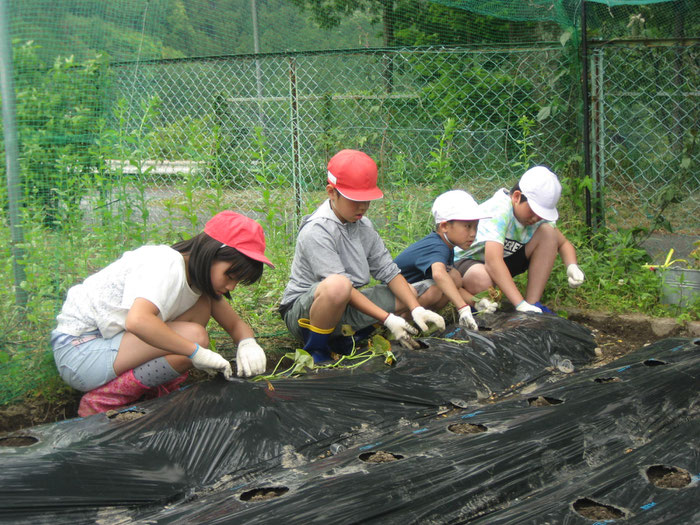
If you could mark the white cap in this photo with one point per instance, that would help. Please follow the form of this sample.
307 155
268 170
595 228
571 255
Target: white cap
542 189
457 205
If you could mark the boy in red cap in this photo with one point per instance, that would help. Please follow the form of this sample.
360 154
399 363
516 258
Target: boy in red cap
520 237
337 252
135 327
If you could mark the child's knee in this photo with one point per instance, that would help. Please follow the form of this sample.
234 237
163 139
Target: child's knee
476 279
545 234
432 298
335 288
196 333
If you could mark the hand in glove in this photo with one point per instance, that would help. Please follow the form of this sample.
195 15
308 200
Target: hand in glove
486 306
422 317
466 319
205 359
575 275
250 358
524 306
401 330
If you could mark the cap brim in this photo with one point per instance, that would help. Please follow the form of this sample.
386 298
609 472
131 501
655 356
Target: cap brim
360 195
548 214
475 214
256 256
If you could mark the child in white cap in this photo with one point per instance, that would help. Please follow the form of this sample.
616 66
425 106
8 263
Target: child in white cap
430 260
137 326
520 236
337 252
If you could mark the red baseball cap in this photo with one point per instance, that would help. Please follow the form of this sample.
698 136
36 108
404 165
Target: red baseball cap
240 232
354 174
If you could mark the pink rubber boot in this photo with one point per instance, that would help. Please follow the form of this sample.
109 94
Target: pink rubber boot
120 391
166 388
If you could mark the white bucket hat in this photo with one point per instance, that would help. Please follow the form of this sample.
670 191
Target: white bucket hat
542 189
457 205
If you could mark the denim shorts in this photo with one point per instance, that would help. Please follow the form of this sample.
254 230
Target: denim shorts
87 361
378 294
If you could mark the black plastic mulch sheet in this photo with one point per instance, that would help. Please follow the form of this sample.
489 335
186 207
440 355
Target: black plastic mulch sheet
543 446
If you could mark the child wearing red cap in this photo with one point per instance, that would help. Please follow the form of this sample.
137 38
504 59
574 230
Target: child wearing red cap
520 236
137 326
337 252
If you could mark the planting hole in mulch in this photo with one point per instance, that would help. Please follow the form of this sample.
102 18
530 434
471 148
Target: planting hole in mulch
467 428
654 362
380 457
263 493
597 511
608 380
125 415
668 477
542 401
18 441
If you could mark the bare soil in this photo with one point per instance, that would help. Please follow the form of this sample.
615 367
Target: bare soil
615 336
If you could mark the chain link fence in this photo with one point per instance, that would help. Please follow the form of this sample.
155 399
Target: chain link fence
434 116
470 118
645 122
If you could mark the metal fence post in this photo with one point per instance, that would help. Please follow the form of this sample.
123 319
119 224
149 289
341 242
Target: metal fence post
9 121
294 117
586 102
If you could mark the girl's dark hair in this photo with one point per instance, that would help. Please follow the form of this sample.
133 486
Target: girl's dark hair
204 250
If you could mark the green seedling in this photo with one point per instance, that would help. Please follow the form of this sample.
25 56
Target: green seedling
302 362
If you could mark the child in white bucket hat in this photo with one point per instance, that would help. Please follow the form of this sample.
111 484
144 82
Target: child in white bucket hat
428 263
520 236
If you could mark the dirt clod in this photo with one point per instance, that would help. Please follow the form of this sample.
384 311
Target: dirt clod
467 428
597 511
668 477
380 456
264 493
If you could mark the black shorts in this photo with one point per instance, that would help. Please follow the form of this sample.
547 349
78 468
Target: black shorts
517 263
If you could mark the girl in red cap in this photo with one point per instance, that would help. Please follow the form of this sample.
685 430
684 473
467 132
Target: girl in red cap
137 326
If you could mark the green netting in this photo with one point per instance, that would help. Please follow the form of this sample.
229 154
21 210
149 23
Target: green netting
138 119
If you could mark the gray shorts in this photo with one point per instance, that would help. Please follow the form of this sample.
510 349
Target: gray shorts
379 295
87 361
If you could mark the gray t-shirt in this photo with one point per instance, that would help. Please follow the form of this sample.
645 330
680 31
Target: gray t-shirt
326 246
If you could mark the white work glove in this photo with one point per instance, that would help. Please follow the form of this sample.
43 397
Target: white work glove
401 330
575 275
205 359
524 306
486 306
466 319
422 317
250 358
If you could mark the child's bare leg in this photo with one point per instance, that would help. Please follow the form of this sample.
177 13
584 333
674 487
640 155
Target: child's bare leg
541 251
191 325
331 298
431 299
476 279
457 279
